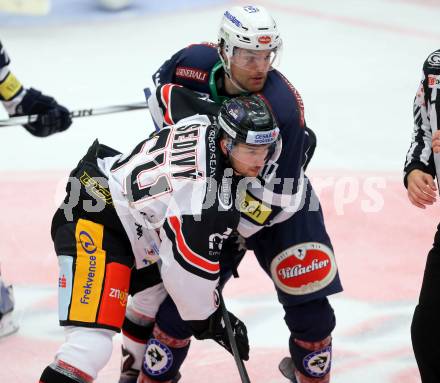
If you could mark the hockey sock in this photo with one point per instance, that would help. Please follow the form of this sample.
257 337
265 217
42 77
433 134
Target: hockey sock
60 372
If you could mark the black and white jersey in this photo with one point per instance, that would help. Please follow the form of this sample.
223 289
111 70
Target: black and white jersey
198 68
176 201
172 102
426 115
11 91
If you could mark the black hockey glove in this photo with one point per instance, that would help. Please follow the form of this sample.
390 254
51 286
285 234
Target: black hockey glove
214 328
52 118
233 251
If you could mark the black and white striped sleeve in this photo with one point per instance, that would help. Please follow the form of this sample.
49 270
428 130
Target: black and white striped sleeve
11 90
426 106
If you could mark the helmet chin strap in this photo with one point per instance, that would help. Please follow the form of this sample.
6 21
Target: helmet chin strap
227 68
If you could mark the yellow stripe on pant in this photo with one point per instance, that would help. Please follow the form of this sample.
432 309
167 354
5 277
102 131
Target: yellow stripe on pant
89 271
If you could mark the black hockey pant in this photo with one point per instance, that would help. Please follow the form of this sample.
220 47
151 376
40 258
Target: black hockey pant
425 332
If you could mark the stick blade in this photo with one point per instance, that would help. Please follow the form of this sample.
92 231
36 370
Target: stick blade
287 368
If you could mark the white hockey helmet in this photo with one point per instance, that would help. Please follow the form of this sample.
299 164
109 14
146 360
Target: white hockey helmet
248 27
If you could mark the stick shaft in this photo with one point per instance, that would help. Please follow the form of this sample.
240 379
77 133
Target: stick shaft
23 120
240 365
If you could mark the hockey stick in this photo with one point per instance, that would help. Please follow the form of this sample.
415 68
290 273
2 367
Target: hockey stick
29 7
23 120
240 365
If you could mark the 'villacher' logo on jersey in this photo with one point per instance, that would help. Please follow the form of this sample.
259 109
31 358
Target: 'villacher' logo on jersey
304 268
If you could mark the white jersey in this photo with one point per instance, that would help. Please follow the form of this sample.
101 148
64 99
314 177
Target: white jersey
269 200
175 201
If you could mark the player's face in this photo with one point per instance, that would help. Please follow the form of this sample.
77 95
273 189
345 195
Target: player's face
249 68
248 160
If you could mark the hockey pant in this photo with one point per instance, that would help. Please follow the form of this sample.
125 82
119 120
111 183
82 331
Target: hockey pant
297 255
95 262
425 339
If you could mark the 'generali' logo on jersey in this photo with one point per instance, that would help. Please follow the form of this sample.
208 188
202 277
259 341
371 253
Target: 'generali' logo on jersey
192 73
304 268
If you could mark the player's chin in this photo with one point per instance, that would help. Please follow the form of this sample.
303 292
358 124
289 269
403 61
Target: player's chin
252 172
255 86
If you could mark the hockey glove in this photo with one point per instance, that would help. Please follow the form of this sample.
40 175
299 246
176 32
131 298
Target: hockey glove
52 117
214 328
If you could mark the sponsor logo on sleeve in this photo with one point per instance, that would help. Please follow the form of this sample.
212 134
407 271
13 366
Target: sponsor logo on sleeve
304 268
216 241
254 209
189 73
224 193
96 189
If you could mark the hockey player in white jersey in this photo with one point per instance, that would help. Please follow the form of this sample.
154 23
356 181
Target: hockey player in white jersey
159 216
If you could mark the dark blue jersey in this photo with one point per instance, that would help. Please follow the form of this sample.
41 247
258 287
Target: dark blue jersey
192 67
198 68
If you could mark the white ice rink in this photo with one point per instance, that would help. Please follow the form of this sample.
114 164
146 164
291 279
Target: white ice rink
357 65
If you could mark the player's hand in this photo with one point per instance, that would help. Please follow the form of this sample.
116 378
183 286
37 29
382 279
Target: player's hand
421 188
436 142
214 328
53 117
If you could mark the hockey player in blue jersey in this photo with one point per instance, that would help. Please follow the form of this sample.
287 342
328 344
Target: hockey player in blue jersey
282 222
